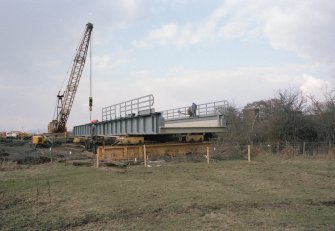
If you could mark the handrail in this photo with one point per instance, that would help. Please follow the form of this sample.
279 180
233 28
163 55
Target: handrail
212 108
128 108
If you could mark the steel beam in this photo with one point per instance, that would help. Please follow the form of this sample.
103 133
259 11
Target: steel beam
135 125
183 130
216 121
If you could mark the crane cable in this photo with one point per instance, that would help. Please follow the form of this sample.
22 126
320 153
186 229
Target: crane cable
90 99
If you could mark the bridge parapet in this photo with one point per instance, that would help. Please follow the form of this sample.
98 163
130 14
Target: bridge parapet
205 109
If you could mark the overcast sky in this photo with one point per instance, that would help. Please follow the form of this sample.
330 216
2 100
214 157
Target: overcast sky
182 51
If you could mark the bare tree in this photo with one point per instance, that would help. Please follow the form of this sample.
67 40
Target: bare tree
289 121
323 114
236 126
281 118
286 117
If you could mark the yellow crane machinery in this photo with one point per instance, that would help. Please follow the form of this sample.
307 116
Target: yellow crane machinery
65 100
39 139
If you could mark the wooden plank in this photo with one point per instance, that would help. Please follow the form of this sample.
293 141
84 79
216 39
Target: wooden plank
82 163
114 163
154 150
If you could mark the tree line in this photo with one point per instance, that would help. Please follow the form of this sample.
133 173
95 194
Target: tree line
290 116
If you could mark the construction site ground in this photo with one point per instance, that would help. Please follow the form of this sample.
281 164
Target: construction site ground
270 193
24 153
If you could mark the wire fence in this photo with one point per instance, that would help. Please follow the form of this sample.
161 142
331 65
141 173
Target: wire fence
218 150
229 150
296 148
199 156
222 150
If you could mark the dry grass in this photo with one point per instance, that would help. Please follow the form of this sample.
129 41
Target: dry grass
10 166
268 194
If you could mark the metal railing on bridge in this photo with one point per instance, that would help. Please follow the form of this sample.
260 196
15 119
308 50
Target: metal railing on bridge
206 109
128 108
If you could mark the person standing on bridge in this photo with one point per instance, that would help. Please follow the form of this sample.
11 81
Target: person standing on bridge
194 109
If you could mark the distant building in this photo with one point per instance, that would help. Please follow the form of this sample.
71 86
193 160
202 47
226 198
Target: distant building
12 134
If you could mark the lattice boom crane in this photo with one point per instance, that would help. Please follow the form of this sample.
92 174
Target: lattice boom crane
65 101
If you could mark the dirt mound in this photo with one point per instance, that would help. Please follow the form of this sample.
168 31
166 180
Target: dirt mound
3 153
13 142
34 160
328 203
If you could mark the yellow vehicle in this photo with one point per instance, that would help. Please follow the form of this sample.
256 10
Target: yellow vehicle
47 140
39 140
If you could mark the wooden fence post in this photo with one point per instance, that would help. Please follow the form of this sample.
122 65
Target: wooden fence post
249 153
145 155
51 159
277 147
98 161
304 148
207 149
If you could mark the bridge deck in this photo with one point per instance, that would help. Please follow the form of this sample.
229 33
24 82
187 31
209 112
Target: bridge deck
153 124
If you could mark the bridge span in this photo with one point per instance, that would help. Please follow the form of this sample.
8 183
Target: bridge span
137 117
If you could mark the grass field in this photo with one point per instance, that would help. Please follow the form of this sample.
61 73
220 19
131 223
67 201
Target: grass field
267 194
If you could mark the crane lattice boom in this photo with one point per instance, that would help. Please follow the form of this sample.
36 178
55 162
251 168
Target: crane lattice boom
66 100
